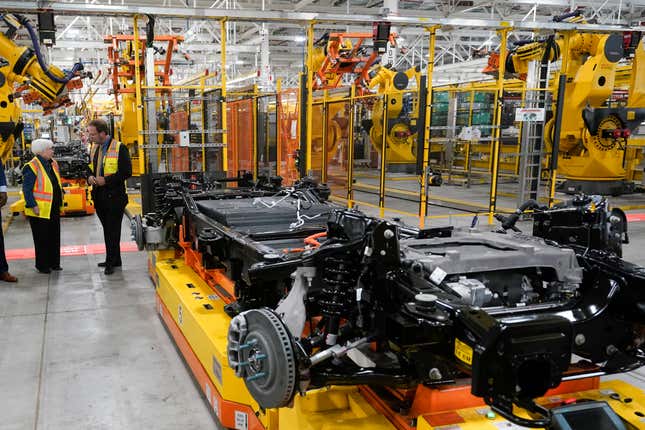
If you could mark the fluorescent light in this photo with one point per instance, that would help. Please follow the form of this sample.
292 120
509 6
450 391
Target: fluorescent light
300 39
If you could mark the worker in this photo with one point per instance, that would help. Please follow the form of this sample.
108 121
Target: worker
109 168
42 190
4 266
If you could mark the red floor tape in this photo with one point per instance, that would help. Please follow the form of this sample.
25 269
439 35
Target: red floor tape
68 250
635 217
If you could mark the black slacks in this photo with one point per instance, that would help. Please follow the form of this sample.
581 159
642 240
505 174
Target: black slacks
4 266
46 234
111 218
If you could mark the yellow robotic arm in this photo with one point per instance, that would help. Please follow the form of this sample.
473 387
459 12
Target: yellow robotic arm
24 65
401 135
10 125
593 135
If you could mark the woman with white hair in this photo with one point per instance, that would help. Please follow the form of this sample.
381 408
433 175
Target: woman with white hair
43 194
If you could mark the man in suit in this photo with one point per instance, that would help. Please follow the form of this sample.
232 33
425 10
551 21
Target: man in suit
109 168
4 267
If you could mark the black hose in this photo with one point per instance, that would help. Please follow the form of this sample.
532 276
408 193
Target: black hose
510 416
567 15
508 222
41 61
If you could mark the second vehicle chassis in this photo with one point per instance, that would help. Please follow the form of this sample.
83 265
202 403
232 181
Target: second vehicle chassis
326 295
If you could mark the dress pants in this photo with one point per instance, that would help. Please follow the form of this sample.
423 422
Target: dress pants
111 218
46 234
4 267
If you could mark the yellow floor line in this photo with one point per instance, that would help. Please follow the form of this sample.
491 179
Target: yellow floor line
7 223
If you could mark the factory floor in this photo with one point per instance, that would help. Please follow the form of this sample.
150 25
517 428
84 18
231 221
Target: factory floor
81 350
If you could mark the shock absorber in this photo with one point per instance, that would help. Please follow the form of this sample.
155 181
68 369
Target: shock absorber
340 277
158 196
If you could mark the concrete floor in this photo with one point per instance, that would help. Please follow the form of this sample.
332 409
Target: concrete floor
79 350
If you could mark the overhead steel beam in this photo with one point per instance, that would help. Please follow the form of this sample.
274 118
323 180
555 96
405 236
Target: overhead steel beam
279 16
563 3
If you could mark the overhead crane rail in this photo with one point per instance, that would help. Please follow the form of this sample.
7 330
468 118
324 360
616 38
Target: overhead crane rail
303 17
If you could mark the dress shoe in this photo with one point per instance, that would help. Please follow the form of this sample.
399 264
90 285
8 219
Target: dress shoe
103 264
108 270
57 268
43 270
8 277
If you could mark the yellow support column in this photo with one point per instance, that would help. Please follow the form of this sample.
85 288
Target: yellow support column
202 84
350 148
310 93
254 115
503 35
428 120
381 190
139 99
556 78
323 155
223 105
278 132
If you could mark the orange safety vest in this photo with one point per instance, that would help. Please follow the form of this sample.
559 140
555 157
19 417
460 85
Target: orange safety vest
43 189
110 159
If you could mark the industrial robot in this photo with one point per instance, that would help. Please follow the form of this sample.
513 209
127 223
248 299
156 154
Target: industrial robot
594 134
25 74
335 55
25 67
402 113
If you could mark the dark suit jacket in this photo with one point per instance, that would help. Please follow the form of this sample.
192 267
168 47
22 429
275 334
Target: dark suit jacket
113 193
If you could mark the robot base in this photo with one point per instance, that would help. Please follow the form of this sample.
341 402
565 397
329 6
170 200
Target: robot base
605 188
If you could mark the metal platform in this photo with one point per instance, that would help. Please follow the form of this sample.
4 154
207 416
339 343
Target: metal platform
194 316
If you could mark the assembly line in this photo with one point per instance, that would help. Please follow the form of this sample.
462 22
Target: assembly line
362 240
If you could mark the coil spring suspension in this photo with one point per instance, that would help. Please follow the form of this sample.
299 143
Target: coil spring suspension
158 194
340 277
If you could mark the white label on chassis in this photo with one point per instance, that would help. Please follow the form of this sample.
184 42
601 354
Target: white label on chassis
207 391
438 275
216 405
241 421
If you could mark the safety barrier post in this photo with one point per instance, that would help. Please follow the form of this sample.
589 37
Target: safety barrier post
350 148
223 105
503 33
423 206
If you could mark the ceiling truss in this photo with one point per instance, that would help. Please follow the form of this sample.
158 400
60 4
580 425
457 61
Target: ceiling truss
467 33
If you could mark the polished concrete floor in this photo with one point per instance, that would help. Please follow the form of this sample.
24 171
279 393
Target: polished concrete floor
81 350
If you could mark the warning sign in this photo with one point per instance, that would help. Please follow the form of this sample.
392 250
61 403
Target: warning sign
529 114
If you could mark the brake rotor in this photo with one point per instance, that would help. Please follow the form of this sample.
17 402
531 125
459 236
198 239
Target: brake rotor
261 351
137 232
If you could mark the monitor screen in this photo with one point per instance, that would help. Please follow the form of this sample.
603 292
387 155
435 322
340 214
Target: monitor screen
586 415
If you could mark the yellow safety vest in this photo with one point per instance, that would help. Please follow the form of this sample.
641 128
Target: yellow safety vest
110 159
43 189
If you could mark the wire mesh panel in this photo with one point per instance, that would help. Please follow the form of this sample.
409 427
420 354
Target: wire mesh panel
240 135
366 179
402 187
209 157
266 135
186 134
318 135
462 136
288 114
338 123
